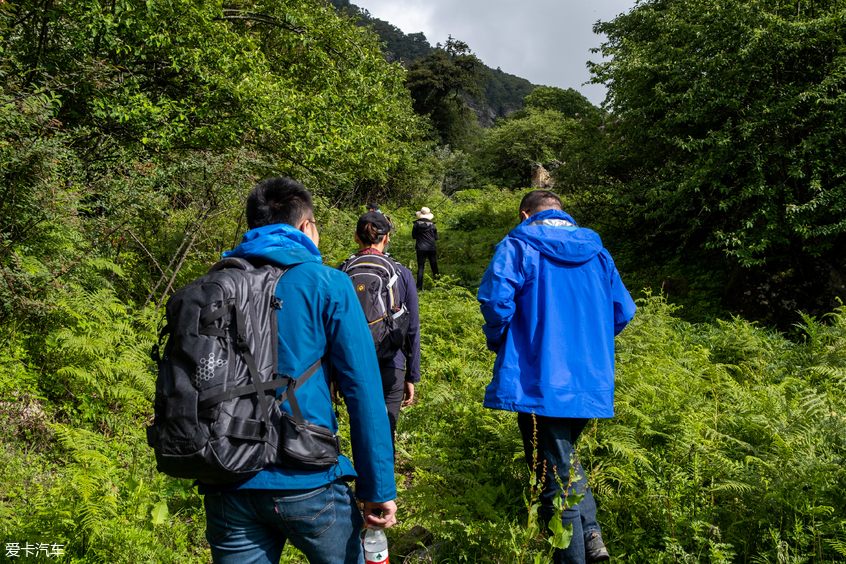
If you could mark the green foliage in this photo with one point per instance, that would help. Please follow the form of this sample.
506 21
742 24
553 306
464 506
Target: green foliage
155 77
438 83
708 420
134 130
568 102
504 92
506 153
732 122
101 357
76 468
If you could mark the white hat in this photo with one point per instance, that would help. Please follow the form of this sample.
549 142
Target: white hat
425 213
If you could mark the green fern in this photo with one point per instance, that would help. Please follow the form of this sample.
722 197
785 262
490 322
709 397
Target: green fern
103 351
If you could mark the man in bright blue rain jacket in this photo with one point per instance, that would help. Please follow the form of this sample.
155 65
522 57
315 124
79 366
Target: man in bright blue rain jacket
553 302
320 317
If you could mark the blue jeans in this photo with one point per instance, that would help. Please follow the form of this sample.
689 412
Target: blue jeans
556 437
251 526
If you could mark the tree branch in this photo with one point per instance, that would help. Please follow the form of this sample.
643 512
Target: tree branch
258 17
146 251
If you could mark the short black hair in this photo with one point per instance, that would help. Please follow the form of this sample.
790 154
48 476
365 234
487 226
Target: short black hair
539 200
278 200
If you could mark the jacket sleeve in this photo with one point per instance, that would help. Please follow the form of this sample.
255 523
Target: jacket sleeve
502 281
412 364
435 227
414 230
624 306
351 352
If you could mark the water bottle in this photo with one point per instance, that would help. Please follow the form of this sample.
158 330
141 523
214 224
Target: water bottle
375 547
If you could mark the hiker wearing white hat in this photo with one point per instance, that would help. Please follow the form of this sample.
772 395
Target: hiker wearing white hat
426 233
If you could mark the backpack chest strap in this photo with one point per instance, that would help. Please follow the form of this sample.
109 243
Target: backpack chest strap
283 380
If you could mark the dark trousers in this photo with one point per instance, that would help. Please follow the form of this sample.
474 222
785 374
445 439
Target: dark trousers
393 386
421 263
556 438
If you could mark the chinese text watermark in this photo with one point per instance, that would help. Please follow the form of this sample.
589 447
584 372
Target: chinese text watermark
43 549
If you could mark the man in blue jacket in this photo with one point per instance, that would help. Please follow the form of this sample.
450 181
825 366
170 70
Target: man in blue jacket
553 302
319 316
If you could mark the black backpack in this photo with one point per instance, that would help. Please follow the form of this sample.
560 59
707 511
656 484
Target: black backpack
217 417
374 278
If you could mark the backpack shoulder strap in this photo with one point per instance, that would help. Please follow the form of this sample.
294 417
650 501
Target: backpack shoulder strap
344 265
256 386
294 383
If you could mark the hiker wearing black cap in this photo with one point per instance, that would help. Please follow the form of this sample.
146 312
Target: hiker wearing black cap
388 297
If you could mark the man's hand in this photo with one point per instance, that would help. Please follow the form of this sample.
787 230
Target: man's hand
408 394
388 518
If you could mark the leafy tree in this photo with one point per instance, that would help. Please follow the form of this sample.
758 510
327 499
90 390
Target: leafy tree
569 102
130 126
290 79
506 152
438 84
732 131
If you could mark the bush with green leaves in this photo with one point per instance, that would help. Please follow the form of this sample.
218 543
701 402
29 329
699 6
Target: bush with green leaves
731 138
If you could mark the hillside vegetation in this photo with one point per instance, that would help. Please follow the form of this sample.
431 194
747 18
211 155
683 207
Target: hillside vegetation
727 445
133 130
501 92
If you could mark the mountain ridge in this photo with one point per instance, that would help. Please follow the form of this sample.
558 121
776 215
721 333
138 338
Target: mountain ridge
502 93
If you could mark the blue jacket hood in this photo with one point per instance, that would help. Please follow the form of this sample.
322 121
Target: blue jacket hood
279 242
557 236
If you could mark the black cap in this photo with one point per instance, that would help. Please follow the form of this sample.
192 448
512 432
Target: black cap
372 206
377 219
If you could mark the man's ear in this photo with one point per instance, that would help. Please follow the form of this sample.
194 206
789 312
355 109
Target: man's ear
524 215
303 226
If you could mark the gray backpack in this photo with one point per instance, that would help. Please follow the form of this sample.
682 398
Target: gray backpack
374 278
217 417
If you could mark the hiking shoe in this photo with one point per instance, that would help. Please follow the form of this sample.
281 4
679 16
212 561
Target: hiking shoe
595 549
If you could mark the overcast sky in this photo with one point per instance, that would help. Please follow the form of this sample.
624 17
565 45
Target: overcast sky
544 41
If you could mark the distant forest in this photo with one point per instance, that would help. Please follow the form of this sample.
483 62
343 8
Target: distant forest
502 93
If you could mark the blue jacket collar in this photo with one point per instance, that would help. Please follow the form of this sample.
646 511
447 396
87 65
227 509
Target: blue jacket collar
548 231
279 243
551 214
